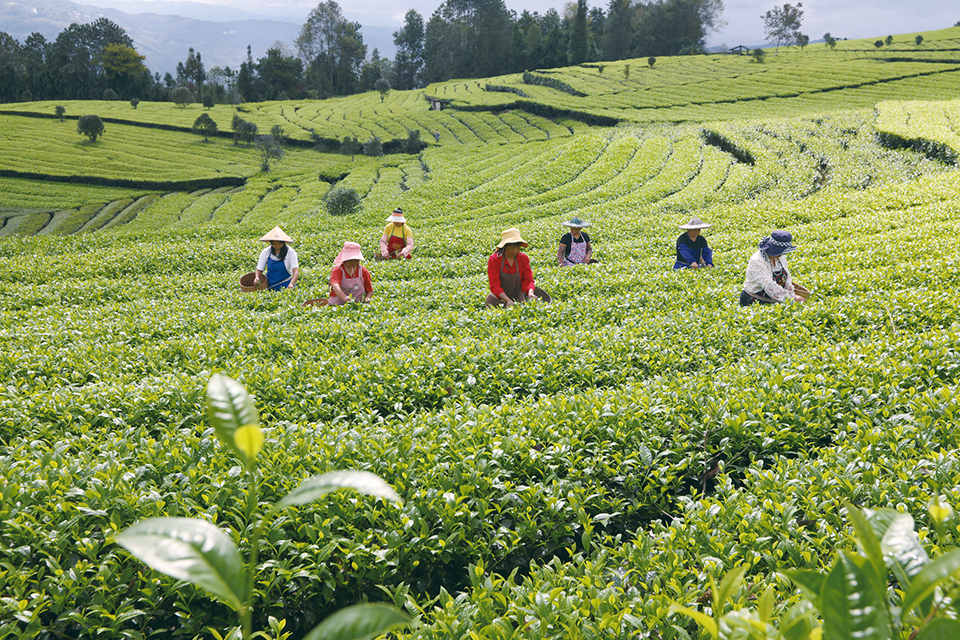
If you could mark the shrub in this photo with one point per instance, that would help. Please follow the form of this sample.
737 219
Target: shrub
651 61
373 147
134 102
888 40
342 201
182 96
60 110
208 102
205 125
918 40
90 126
878 44
110 94
626 72
758 55
277 132
601 67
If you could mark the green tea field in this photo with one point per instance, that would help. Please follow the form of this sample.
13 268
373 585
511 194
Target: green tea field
584 469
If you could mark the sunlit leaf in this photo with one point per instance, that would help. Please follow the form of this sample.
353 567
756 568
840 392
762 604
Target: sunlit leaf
192 550
318 486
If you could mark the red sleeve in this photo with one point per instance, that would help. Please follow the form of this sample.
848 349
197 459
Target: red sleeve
335 277
493 274
526 273
367 280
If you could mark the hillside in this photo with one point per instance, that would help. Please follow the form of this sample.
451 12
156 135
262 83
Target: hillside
567 470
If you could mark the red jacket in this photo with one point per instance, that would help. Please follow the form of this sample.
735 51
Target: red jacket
337 275
521 262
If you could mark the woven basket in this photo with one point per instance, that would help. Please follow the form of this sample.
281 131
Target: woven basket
246 283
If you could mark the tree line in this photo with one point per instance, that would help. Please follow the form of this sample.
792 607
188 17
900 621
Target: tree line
461 39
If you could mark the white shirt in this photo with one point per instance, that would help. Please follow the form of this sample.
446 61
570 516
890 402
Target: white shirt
759 278
290 262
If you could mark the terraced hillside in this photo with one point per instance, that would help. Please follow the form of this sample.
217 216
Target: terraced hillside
567 470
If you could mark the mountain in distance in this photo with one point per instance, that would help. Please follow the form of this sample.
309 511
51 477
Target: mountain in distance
219 34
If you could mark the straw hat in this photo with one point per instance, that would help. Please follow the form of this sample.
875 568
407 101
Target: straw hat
276 234
777 243
397 216
696 223
575 222
511 235
350 251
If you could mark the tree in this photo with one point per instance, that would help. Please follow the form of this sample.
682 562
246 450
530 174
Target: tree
382 86
123 66
802 40
620 30
412 144
191 73
878 44
60 110
829 40
134 102
350 146
782 24
90 126
75 58
246 131
182 96
332 49
408 61
888 40
208 102
918 40
205 125
373 147
651 61
281 75
626 71
277 132
270 149
578 35
759 55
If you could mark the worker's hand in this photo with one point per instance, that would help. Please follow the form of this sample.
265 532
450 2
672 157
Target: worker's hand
695 265
531 295
709 265
256 279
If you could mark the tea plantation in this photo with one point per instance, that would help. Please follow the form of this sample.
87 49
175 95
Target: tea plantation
568 470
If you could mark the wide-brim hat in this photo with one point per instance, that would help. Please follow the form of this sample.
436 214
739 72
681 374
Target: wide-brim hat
696 223
397 216
575 222
350 251
276 234
510 236
777 243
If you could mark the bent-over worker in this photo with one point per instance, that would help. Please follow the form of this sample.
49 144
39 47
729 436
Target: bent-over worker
278 260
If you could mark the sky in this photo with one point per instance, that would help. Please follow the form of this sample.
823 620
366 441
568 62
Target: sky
841 18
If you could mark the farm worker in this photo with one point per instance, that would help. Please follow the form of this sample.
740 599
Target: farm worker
575 247
768 280
397 240
692 249
509 274
349 280
279 260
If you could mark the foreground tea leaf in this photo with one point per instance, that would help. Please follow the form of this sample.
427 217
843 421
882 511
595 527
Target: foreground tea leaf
192 550
946 566
359 622
249 440
852 608
317 486
230 408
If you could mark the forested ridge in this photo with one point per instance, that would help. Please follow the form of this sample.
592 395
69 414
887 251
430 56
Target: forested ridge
461 39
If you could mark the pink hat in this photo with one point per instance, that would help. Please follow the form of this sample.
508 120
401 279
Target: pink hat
350 251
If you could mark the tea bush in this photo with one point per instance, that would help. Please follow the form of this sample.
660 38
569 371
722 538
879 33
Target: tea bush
571 469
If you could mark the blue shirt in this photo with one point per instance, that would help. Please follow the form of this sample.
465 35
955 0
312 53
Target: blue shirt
690 251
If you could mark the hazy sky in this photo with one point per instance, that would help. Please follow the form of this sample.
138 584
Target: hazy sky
842 18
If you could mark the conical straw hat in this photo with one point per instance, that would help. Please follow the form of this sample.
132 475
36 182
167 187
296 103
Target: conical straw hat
276 234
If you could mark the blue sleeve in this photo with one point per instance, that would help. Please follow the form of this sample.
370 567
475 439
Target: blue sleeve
686 254
708 255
